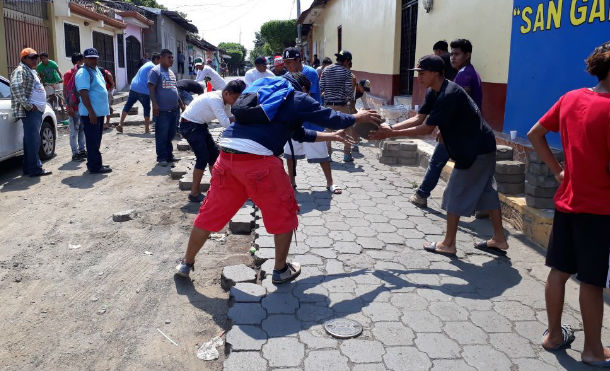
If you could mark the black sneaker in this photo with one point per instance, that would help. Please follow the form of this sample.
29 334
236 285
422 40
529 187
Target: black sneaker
78 157
197 198
83 154
290 272
102 170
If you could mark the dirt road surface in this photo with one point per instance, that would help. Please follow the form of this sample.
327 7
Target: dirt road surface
80 291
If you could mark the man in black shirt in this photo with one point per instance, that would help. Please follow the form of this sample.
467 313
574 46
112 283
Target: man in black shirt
441 48
186 89
471 144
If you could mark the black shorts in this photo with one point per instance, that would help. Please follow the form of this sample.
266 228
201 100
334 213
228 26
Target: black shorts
580 244
199 138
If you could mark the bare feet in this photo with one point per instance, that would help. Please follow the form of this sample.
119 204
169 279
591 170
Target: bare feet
497 245
596 357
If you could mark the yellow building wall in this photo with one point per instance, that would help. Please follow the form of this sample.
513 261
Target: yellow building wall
370 29
486 23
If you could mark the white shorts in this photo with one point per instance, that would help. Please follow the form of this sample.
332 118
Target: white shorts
315 152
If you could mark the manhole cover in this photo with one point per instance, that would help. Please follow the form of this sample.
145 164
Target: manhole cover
343 328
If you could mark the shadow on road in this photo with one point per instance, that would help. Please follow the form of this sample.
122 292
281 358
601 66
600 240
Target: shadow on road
84 181
20 183
213 306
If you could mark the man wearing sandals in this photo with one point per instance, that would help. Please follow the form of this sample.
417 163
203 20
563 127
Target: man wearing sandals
580 239
315 152
471 144
249 166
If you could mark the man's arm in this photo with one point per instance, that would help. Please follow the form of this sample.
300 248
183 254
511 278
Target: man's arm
414 121
349 87
59 72
311 111
84 95
18 91
218 108
537 136
385 131
153 98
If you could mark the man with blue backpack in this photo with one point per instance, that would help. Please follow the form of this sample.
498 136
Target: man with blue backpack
267 114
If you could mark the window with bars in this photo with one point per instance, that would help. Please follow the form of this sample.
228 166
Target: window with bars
72 39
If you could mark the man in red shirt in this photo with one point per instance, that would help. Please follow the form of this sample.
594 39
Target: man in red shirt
580 239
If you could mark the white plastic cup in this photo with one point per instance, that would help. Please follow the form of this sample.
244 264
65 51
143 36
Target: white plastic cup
513 134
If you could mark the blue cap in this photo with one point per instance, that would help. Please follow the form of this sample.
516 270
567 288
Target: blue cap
91 53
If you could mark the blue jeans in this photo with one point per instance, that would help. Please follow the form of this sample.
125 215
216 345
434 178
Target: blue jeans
439 158
93 137
31 142
165 130
77 135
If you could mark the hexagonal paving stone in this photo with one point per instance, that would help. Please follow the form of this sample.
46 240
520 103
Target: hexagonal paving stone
514 310
465 333
393 333
401 358
246 313
279 325
381 312
283 352
280 302
484 357
437 345
490 321
240 361
313 313
246 337
452 365
326 360
361 351
409 301
344 247
317 338
448 311
247 293
421 321
234 274
512 345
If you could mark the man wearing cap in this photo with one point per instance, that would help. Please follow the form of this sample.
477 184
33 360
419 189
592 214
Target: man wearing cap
337 88
92 108
28 102
249 167
278 66
471 144
138 92
207 71
258 72
315 152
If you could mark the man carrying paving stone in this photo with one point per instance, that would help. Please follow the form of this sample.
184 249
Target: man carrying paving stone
215 105
470 143
269 112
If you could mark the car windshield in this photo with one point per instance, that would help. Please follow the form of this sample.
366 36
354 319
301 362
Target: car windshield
5 90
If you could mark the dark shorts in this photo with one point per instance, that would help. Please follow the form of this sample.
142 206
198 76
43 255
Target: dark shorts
138 97
580 244
199 138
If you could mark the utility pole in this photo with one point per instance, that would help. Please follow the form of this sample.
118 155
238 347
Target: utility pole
299 35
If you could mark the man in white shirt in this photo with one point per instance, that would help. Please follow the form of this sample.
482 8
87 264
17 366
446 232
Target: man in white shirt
258 72
194 128
218 83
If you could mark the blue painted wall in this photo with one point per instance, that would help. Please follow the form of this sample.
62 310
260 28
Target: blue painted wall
549 43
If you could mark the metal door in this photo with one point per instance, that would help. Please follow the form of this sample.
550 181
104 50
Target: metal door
105 47
133 57
407 48
24 24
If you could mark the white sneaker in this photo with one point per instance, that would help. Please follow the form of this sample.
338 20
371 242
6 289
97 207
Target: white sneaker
292 271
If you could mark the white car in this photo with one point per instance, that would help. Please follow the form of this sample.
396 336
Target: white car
11 131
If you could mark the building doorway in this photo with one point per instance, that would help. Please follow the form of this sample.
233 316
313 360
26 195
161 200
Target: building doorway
407 45
105 48
133 48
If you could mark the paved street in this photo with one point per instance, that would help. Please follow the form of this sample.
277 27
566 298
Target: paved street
363 259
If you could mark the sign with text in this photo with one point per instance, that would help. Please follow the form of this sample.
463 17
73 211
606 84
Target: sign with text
550 41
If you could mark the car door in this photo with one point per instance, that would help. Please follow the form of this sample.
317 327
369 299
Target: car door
11 132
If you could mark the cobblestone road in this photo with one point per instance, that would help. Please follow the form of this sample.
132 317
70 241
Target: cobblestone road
362 259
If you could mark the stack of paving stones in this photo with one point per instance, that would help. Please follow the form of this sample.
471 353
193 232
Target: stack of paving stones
362 259
510 175
540 185
398 152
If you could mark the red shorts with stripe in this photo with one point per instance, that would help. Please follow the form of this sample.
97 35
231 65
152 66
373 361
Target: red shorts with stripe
237 177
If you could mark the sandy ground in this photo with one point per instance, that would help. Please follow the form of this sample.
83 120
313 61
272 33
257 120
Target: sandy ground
79 291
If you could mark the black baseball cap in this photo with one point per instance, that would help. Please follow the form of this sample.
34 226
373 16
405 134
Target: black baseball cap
91 53
260 60
291 53
343 55
431 63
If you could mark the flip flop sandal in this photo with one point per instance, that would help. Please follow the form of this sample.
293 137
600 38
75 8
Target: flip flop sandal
432 248
568 337
335 189
492 249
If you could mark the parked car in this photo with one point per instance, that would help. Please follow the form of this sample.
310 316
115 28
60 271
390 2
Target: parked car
11 131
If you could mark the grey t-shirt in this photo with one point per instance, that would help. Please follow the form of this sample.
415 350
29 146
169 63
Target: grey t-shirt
166 92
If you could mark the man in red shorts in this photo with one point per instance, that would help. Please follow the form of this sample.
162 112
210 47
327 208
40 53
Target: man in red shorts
580 239
249 166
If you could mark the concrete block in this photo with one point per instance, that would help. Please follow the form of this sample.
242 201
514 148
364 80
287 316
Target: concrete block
539 169
263 254
532 156
123 216
408 161
539 191
511 189
391 146
235 274
510 178
510 167
407 154
539 202
541 181
183 145
178 172
504 153
388 160
408 146
390 153
241 224
186 182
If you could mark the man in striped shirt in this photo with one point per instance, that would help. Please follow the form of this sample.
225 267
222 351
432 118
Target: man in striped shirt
337 89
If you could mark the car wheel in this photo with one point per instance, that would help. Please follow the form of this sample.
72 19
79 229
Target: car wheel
47 141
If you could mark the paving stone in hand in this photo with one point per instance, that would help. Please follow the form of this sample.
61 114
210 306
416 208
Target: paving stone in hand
246 337
326 360
283 352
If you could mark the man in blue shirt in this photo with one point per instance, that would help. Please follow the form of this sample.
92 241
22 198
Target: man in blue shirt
315 152
138 92
166 104
92 108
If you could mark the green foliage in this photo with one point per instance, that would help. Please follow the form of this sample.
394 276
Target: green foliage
237 53
278 35
148 3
